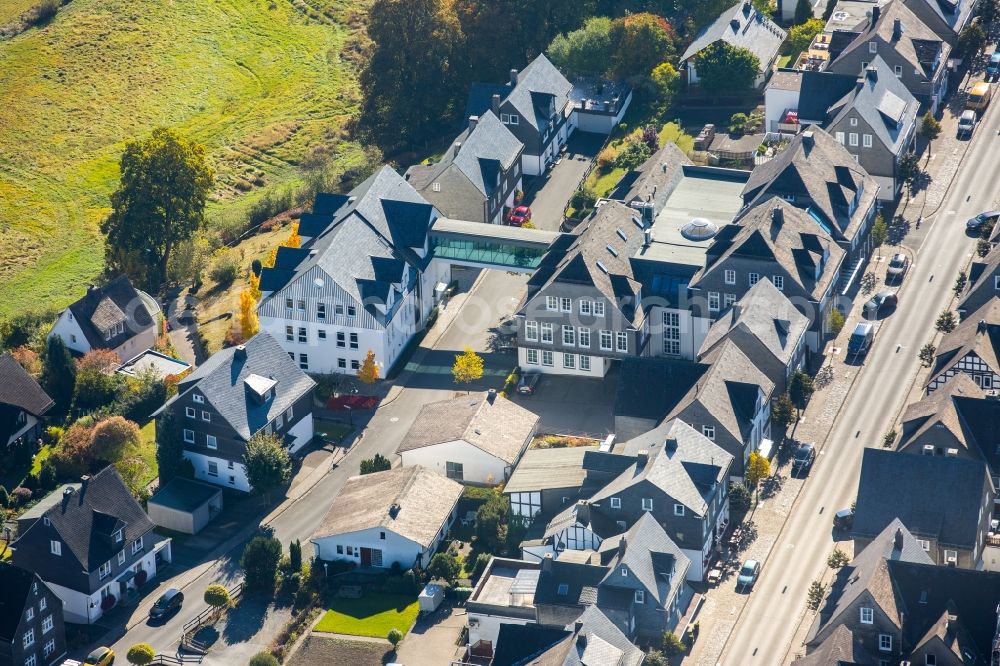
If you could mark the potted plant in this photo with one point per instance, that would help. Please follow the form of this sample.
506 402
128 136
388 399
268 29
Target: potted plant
108 602
140 578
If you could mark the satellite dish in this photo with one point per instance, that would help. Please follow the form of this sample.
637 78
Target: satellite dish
319 283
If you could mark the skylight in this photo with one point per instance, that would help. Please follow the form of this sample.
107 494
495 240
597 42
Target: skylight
602 266
613 251
621 234
637 222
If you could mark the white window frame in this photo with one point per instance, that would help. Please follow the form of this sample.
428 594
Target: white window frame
551 303
137 546
104 570
606 336
531 356
647 503
866 140
678 509
55 547
211 442
206 416
854 122
621 341
546 333
565 304
867 615
121 556
188 436
531 331
47 624
730 276
852 139
50 647
640 597
584 363
616 502
728 299
28 639
885 642
547 358
198 398
29 614
778 281
598 308
321 311
568 336
898 71
872 46
753 278
191 412
569 361
839 136
708 431
713 301
586 307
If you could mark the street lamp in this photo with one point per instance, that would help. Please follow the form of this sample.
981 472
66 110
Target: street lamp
350 415
326 572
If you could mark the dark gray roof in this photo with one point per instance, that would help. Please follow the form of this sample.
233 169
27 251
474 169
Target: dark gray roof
537 83
651 387
742 26
16 585
18 389
593 640
84 522
650 555
978 334
581 582
222 380
840 648
184 494
655 179
944 17
882 100
819 91
103 308
946 508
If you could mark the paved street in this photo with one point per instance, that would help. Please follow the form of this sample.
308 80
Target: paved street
765 629
548 194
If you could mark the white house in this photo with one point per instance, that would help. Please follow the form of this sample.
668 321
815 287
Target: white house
399 515
361 281
476 438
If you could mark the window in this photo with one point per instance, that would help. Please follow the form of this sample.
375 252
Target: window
513 119
118 536
355 364
885 642
598 308
606 340
340 549
352 311
779 282
30 661
586 307
29 615
546 358
200 399
289 334
930 659
105 570
304 361
47 624
569 336
321 334
569 361
50 647
531 331
563 589
730 276
121 556
29 638
621 341
213 468
624 572
678 509
436 186
864 66
303 338
566 304
672 333
713 301
547 333
866 140
551 303
898 71
289 413
211 442
840 137
584 337
753 278
321 311
190 412
302 305
531 356
354 341
708 431
288 303
584 363
640 597
950 556
342 363
925 544
338 309
42 603
206 416
137 546
454 470
229 464
867 615
852 138
647 504
341 340
189 436
872 47
616 502
854 122
728 299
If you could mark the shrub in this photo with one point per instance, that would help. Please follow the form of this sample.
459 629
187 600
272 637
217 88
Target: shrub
217 596
672 645
479 566
634 154
739 497
20 496
226 268
837 559
606 159
445 566
108 602
263 659
394 637
295 555
260 562
141 654
655 658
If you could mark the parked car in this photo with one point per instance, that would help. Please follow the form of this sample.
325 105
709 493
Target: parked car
880 303
979 97
528 383
102 656
897 267
748 575
976 223
966 123
861 339
843 519
804 457
993 67
519 216
169 602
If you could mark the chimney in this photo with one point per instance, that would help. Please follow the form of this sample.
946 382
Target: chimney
458 147
735 25
778 215
394 510
583 513
547 563
84 480
871 73
91 288
807 138
876 12
981 327
495 104
647 237
669 445
513 78
67 496
737 310
241 352
897 28
622 546
897 540
491 395
577 627
581 640
747 6
641 459
473 121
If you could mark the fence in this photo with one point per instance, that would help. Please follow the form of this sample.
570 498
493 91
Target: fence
208 616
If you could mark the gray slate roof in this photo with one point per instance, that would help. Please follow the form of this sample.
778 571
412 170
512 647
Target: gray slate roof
978 334
500 428
537 83
19 389
222 380
883 102
946 508
103 308
840 648
743 26
651 387
650 555
16 585
424 500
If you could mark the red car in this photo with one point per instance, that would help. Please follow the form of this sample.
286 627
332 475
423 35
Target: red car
519 216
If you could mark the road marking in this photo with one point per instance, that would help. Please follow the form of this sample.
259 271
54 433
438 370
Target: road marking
950 212
393 419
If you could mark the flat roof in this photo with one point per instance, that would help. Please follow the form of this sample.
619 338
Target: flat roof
543 469
499 232
849 13
507 586
161 364
184 494
706 193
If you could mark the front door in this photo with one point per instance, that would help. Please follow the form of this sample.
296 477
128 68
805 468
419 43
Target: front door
366 557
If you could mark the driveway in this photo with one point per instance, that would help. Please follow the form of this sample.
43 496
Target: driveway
433 641
548 194
574 405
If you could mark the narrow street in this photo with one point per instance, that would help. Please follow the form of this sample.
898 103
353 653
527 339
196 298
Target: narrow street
767 628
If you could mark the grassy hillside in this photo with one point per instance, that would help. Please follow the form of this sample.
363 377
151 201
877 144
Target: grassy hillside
266 85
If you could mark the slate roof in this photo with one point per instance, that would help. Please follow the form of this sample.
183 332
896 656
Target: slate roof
602 644
765 314
103 308
544 469
840 648
655 179
584 258
978 334
819 91
16 585
650 556
222 379
817 167
883 102
940 415
537 83
422 499
946 508
18 392
499 427
944 17
982 277
742 26
776 230
681 462
83 522
650 387
581 582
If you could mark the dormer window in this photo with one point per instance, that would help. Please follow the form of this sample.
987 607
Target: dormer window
200 399
640 597
55 547
118 536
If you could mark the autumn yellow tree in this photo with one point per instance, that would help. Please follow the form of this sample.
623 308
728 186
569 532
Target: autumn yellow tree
294 240
249 324
271 258
255 286
468 367
369 373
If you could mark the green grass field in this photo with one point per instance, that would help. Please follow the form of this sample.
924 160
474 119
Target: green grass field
372 615
265 85
11 10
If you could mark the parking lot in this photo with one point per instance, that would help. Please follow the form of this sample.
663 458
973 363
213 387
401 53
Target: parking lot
548 194
569 405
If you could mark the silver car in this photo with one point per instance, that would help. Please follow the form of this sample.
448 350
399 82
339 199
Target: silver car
966 123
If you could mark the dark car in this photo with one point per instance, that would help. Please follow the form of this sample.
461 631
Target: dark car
881 303
993 68
897 267
528 382
804 457
976 223
843 519
169 602
519 216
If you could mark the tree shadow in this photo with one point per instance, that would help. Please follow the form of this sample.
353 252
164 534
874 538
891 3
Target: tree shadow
246 619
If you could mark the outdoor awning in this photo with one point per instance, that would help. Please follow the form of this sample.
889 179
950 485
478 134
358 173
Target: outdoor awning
765 447
126 577
440 287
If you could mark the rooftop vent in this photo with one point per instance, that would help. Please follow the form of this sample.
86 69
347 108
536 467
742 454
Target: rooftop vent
612 250
602 266
621 234
699 229
394 509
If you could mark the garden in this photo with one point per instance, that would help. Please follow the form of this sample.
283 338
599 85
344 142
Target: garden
373 614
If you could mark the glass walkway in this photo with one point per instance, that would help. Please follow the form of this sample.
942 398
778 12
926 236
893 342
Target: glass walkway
489 245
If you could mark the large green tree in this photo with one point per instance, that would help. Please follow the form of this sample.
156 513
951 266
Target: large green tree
642 41
260 562
169 449
267 463
160 201
586 51
58 373
726 68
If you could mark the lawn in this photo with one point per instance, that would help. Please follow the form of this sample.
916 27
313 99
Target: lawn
372 615
603 182
265 85
147 449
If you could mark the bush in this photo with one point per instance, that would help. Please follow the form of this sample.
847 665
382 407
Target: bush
633 155
394 637
20 496
739 498
655 658
295 556
606 159
263 659
226 268
672 645
445 566
217 596
141 654
260 562
479 566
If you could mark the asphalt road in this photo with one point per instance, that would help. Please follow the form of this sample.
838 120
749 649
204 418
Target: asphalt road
764 633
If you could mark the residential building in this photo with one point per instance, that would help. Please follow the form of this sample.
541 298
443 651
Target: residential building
950 515
817 175
478 175
32 632
536 107
396 516
916 55
94 548
946 20
983 285
23 403
504 596
546 481
583 309
237 393
741 26
476 438
362 281
115 316
766 327
599 105
971 348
